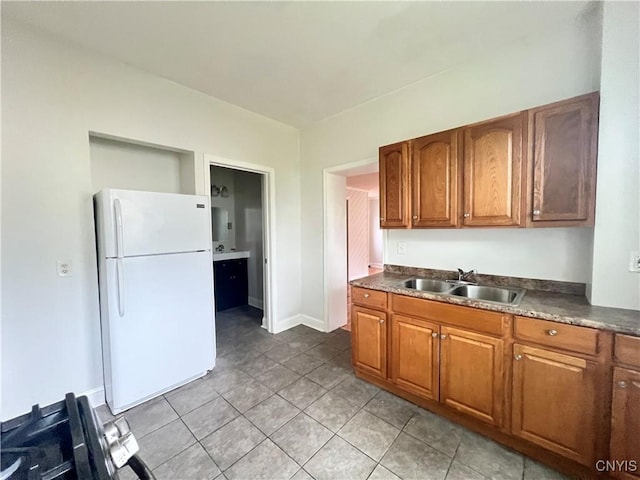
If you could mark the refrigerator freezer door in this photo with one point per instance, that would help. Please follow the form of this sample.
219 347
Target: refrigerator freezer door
132 223
165 336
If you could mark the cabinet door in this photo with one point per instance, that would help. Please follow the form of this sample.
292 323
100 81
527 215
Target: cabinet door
625 423
394 185
471 374
414 355
493 166
369 340
435 163
240 282
222 288
554 402
563 149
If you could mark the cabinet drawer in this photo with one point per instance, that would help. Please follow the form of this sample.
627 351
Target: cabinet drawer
369 298
558 335
466 317
627 350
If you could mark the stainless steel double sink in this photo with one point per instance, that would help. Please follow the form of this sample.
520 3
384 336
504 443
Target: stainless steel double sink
502 295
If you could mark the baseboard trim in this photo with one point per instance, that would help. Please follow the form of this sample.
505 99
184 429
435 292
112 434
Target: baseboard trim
256 303
95 396
287 323
312 322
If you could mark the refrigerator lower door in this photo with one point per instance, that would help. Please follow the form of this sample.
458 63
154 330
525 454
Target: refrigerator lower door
157 325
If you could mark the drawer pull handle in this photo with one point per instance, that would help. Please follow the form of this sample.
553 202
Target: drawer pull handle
443 336
434 334
517 356
381 321
622 384
552 333
366 295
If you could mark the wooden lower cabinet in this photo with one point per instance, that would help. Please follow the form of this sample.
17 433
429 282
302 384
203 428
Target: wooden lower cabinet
553 402
472 374
566 395
369 340
625 424
414 355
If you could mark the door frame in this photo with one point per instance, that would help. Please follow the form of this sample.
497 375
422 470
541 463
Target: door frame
335 290
268 226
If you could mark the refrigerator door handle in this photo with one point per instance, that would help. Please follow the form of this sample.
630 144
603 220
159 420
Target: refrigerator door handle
120 286
117 207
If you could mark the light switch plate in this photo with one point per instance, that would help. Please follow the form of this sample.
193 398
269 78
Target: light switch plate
402 248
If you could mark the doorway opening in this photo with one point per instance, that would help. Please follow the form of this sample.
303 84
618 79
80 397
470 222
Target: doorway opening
242 237
364 237
353 240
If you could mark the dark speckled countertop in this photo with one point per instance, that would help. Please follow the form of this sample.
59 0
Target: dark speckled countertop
537 303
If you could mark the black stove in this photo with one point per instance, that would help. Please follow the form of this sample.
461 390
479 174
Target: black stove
67 441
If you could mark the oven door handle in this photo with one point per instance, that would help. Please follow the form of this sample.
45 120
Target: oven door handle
140 468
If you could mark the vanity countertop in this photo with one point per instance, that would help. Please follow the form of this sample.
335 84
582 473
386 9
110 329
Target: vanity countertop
230 255
557 307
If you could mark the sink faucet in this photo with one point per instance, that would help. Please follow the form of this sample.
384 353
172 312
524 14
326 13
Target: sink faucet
464 276
220 248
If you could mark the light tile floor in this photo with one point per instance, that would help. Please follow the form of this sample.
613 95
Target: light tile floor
289 406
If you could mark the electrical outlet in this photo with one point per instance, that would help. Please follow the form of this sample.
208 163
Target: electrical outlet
634 262
64 268
402 248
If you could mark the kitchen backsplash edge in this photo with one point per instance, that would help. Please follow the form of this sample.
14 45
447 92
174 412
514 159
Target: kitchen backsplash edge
556 286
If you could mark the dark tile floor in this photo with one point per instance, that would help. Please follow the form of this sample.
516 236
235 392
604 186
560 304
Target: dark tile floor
288 406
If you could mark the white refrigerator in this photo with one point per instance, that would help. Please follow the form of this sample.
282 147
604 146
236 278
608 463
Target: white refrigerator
156 292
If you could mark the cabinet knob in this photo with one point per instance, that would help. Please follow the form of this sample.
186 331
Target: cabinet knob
366 295
381 219
517 356
536 212
381 321
443 336
415 217
552 333
467 215
434 334
622 384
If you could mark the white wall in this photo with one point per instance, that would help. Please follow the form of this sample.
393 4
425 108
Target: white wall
551 254
617 230
221 176
559 63
248 225
53 95
357 233
133 167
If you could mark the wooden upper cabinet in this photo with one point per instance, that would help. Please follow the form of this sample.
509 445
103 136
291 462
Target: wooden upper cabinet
394 185
435 165
472 374
562 156
493 172
625 422
369 340
554 402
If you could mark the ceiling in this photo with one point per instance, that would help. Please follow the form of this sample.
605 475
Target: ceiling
295 62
